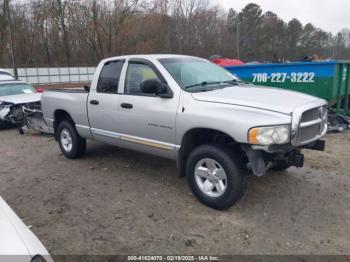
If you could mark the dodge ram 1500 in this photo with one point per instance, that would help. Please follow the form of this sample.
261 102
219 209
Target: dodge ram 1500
214 125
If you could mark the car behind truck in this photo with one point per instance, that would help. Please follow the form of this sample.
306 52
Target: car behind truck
187 109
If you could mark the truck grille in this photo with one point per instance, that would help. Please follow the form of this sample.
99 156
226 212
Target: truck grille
310 115
313 124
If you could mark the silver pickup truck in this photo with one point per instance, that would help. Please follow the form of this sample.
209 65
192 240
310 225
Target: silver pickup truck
215 126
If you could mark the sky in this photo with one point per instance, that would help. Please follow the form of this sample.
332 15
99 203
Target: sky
329 15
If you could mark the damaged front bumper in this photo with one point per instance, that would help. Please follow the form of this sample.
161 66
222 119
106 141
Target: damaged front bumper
10 114
28 115
262 158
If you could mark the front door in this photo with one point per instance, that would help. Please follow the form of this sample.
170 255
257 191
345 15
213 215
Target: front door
147 121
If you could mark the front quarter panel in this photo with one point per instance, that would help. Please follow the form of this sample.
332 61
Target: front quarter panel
232 120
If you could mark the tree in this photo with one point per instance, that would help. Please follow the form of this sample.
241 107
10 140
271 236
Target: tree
346 35
71 32
294 34
272 37
250 30
3 34
60 10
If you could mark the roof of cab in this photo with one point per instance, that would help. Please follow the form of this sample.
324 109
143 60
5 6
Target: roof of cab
150 56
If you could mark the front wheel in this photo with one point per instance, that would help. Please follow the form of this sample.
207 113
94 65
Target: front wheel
215 176
71 143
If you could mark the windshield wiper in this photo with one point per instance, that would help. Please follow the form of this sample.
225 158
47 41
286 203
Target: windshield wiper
235 82
205 83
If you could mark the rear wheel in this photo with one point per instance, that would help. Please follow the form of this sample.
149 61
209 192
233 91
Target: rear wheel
71 143
215 176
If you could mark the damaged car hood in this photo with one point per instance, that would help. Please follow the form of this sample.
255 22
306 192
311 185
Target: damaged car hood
21 99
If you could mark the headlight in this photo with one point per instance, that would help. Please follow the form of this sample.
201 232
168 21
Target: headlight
269 135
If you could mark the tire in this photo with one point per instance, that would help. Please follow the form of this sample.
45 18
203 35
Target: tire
281 166
75 146
234 185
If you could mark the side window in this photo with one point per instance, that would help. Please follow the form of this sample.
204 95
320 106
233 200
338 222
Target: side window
109 77
135 74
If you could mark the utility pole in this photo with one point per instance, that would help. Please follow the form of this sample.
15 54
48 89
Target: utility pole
238 39
7 10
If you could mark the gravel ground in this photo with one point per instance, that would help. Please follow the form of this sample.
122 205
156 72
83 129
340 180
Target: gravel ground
115 201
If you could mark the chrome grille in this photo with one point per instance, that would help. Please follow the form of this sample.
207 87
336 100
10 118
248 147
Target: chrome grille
313 124
310 115
309 133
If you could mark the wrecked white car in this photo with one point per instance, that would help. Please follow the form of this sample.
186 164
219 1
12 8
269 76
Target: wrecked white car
20 105
4 74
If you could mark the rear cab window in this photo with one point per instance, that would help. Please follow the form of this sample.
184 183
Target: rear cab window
108 81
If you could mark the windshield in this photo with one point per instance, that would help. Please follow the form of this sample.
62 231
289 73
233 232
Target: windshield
197 75
10 89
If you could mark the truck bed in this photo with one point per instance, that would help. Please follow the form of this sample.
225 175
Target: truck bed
70 100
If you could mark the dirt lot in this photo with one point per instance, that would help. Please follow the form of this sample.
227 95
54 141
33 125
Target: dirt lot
115 201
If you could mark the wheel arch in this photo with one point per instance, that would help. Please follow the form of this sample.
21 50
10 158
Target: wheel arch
59 116
200 136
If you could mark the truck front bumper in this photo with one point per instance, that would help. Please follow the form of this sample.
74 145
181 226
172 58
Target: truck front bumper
319 145
262 158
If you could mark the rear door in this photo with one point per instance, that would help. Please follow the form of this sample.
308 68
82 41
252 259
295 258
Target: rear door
103 103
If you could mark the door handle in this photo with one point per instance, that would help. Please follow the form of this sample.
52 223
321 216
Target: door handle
94 102
126 105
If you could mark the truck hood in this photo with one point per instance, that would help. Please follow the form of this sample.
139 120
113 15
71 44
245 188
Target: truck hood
266 98
21 99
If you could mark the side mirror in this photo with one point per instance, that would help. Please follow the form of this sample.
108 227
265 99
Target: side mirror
156 87
87 88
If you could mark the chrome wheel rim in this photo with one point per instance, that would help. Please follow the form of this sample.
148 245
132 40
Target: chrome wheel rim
66 140
210 177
